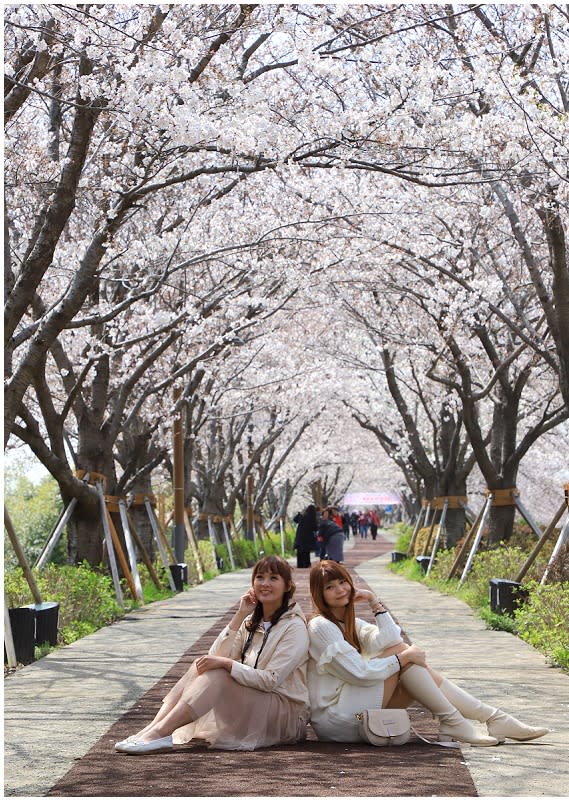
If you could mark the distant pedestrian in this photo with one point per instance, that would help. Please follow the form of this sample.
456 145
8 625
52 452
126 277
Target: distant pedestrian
354 520
332 537
373 524
346 525
305 536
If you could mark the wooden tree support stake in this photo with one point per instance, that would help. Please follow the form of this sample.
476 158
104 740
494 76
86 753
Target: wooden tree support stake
8 637
194 546
211 531
156 531
477 538
465 544
109 543
442 523
163 537
281 531
64 518
563 538
131 551
228 543
416 530
119 551
55 536
21 556
525 514
144 553
544 538
429 537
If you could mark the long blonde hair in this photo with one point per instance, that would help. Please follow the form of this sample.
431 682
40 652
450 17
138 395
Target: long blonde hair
321 573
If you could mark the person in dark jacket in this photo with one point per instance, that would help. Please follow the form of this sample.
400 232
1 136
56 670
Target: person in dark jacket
332 537
354 522
305 538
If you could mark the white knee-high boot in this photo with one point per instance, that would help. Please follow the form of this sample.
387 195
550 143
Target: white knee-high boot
499 724
420 685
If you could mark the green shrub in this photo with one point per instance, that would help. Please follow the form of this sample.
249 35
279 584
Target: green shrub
244 553
207 558
543 620
150 591
503 563
16 589
403 533
498 622
34 509
86 597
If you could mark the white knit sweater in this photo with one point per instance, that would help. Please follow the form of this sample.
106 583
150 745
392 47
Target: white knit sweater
341 681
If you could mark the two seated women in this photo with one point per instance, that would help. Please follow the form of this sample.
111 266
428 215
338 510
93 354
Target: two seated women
269 672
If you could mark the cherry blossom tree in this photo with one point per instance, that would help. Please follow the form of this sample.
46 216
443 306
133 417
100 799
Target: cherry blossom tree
179 176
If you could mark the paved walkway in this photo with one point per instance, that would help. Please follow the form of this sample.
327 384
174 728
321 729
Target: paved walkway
58 709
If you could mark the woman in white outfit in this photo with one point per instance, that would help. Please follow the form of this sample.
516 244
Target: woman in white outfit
355 665
250 690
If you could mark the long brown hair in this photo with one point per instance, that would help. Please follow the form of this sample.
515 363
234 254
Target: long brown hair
277 566
321 573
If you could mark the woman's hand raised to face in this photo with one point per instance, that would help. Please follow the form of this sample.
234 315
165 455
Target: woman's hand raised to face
247 605
364 596
248 602
367 596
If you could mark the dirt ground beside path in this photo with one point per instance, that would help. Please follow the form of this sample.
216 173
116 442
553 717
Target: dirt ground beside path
310 769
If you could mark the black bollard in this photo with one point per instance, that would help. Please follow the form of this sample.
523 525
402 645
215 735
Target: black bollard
23 624
423 562
47 615
506 596
180 575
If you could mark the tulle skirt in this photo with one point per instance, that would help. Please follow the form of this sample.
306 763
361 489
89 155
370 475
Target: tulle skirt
231 716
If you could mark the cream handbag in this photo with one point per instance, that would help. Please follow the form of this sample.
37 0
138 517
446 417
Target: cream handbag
384 727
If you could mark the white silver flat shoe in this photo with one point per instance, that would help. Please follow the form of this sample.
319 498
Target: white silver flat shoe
130 738
135 747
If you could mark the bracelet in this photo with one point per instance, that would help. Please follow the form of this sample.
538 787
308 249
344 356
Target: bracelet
377 613
398 661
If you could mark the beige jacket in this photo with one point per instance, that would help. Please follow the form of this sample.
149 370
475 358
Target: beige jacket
282 663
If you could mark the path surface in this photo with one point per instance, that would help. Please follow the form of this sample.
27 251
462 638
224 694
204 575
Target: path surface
64 713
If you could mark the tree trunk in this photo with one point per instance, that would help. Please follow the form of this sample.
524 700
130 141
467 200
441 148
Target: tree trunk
85 535
214 506
501 524
455 522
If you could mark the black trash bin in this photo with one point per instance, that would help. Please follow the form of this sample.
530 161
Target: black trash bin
47 616
23 624
180 575
506 596
423 562
397 556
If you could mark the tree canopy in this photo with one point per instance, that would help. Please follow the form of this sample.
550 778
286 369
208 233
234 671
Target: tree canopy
311 221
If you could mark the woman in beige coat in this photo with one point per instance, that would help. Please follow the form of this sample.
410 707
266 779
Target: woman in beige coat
250 690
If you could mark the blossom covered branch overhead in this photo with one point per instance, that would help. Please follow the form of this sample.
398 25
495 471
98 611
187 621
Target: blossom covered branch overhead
256 203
